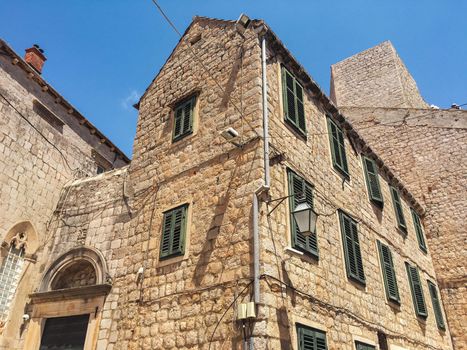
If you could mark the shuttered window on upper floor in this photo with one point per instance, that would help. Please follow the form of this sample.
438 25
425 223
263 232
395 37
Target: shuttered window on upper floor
310 338
173 232
183 118
418 230
417 291
372 181
336 139
389 273
363 346
292 98
352 251
396 201
436 305
299 189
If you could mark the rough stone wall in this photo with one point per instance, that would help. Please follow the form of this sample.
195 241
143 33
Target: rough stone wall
181 301
94 213
427 149
376 77
32 170
319 291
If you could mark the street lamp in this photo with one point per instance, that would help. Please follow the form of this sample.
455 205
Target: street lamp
305 217
303 214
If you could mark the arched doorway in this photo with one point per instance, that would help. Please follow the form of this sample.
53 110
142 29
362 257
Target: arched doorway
67 308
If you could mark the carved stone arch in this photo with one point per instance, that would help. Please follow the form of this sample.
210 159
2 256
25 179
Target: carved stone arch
86 256
24 235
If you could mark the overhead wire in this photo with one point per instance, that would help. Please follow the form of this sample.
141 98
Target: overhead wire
342 310
201 63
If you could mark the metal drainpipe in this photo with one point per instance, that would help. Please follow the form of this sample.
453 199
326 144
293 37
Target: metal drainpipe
267 178
265 187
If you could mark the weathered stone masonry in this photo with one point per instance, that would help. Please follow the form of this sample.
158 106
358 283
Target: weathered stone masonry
113 222
426 148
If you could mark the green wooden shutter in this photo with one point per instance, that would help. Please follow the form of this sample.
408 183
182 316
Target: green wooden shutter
336 139
173 232
436 305
310 338
417 291
298 186
183 119
396 200
418 230
372 181
363 346
293 103
389 273
352 252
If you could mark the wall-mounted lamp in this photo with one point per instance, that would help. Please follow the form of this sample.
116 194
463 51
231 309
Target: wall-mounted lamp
305 217
303 214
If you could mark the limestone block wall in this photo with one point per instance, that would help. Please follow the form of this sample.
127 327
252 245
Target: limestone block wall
427 148
95 213
36 161
374 77
183 303
318 292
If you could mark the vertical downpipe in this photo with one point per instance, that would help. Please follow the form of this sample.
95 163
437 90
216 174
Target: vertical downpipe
267 178
265 186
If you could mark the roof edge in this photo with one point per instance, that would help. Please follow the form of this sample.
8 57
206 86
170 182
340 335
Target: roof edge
46 87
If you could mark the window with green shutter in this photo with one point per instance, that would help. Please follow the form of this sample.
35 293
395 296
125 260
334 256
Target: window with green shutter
292 97
396 200
299 188
436 305
418 230
336 139
417 291
363 346
173 232
310 338
183 118
372 181
352 252
389 273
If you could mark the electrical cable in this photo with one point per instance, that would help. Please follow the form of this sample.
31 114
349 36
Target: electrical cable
202 64
342 310
225 312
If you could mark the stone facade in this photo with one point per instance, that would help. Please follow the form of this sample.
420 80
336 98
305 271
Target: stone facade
114 221
37 160
376 77
426 148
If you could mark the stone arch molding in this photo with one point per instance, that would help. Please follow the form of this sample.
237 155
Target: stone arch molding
23 235
64 261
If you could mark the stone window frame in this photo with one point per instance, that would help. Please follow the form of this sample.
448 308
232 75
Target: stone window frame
363 340
298 320
194 94
157 240
29 246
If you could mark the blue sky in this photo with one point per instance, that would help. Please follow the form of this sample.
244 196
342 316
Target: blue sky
103 54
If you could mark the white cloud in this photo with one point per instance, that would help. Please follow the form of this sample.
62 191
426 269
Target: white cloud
130 100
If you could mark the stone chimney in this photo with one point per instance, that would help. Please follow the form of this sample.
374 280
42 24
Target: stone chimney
35 57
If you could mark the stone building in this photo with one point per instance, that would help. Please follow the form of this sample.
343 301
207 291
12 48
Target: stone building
426 148
45 144
171 251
